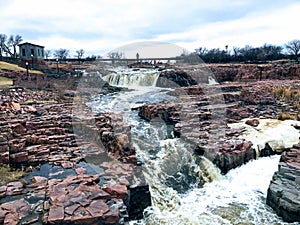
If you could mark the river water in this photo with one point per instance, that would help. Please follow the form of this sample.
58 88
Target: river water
174 173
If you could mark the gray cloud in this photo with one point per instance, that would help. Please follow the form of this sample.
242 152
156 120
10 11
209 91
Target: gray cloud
99 26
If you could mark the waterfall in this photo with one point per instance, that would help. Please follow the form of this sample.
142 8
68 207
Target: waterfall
133 78
185 188
236 198
175 169
212 80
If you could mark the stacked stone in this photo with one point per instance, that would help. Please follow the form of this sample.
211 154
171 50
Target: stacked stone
4 149
199 117
56 134
250 72
200 114
284 190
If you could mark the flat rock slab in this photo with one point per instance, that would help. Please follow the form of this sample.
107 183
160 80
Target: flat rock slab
80 198
85 169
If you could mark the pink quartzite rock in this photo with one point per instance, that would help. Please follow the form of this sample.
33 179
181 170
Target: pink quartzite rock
200 113
97 208
284 189
11 212
252 122
119 191
79 199
56 214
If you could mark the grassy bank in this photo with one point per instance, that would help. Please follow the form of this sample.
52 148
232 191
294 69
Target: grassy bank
5 81
13 67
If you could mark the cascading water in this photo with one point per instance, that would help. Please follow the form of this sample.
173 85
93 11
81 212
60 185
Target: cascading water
132 78
186 188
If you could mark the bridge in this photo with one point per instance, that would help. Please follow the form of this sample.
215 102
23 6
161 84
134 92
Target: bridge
140 59
118 60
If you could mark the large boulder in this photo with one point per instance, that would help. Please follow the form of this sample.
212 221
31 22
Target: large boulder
175 78
284 190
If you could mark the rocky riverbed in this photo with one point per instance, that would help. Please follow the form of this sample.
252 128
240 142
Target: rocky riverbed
207 117
74 179
80 168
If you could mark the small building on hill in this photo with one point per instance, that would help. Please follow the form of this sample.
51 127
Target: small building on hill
31 51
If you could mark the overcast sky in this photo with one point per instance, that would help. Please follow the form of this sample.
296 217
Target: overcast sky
99 26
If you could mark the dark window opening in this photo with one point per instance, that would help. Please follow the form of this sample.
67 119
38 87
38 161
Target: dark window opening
23 52
32 52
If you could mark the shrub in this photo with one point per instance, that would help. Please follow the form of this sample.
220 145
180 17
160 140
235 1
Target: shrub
286 116
286 94
8 174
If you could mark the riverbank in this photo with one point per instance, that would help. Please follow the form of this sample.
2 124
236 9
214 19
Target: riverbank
207 116
75 169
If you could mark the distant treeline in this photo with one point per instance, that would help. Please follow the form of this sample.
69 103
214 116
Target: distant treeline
265 53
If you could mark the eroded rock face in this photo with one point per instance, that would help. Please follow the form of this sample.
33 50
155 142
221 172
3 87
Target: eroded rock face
246 72
284 190
87 163
50 131
173 78
200 115
79 198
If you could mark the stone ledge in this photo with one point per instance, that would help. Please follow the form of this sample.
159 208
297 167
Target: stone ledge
284 189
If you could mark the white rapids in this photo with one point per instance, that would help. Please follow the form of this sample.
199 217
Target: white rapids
173 172
132 78
237 198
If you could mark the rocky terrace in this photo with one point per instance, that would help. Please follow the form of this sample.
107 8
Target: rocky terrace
83 170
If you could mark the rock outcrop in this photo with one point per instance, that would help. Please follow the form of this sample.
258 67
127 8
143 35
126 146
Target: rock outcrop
250 72
284 190
84 166
200 115
175 78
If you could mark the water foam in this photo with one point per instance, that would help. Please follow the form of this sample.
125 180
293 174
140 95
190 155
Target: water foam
236 198
133 79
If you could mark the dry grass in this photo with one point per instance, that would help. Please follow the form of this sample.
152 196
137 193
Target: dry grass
8 174
5 81
287 94
14 67
286 116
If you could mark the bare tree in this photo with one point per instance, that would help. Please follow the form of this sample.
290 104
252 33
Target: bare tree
13 41
3 39
201 51
61 53
116 56
47 54
294 47
236 52
80 53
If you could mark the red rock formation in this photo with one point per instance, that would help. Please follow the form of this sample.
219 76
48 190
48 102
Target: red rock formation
284 191
251 72
53 132
200 113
